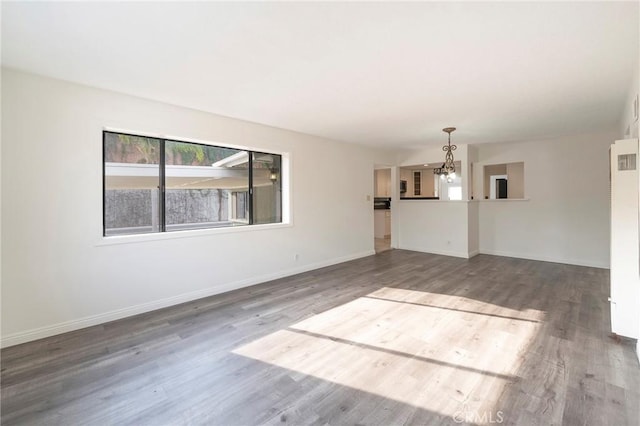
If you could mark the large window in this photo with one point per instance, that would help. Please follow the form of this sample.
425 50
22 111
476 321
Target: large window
159 185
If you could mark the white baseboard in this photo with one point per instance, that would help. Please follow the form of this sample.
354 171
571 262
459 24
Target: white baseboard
507 254
66 326
440 252
527 256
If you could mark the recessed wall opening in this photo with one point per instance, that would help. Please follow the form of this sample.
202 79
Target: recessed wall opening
504 181
419 182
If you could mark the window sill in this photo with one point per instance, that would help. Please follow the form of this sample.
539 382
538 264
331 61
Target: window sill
192 233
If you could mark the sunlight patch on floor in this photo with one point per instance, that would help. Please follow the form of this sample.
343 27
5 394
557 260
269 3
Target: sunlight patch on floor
434 351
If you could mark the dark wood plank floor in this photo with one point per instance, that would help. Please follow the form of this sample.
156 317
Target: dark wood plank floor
396 338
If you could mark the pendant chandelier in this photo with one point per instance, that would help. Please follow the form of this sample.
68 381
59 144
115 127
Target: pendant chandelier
448 169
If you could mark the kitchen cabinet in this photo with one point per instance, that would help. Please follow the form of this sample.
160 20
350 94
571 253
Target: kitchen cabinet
420 183
382 183
387 224
382 223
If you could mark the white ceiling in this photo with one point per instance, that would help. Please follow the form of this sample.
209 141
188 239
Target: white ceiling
385 74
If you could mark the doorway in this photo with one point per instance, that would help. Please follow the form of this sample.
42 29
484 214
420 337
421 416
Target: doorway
382 208
497 187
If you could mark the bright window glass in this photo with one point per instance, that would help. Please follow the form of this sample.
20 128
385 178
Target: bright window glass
131 184
158 185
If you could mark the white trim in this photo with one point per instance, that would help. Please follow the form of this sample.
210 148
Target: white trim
474 253
233 160
492 185
462 255
576 262
286 177
172 138
191 233
64 327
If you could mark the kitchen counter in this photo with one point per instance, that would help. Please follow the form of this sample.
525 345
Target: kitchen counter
419 198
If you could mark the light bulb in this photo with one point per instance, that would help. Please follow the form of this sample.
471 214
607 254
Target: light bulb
442 177
453 175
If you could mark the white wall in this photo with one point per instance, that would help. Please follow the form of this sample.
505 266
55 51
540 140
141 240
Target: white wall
628 124
566 216
57 272
432 226
515 177
473 247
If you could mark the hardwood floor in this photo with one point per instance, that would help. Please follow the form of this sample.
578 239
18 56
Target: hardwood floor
397 338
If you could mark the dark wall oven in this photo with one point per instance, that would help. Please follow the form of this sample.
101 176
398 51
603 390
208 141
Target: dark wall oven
381 203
